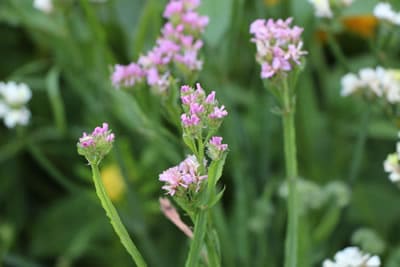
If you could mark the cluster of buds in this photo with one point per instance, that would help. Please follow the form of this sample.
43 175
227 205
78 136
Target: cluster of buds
370 82
326 8
96 145
13 100
183 178
279 47
177 48
201 111
215 148
201 119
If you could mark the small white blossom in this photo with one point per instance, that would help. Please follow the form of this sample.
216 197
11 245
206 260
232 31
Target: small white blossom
392 164
3 109
322 8
17 117
350 84
13 98
391 83
378 82
45 6
373 79
15 94
352 257
384 11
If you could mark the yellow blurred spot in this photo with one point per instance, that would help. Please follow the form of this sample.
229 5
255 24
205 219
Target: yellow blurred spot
113 182
271 2
363 25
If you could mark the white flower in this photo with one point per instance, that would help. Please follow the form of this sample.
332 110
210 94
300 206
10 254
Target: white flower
322 8
391 85
384 11
391 165
15 94
17 117
3 109
352 257
372 78
45 6
13 98
380 82
350 84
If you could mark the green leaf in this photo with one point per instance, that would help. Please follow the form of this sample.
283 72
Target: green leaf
214 199
56 102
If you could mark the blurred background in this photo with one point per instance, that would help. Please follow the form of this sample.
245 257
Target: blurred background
49 213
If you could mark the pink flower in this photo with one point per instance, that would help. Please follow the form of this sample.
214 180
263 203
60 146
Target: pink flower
110 137
177 48
190 120
218 113
201 110
216 141
96 145
196 108
182 176
278 46
173 8
127 75
210 98
195 21
86 140
100 130
152 76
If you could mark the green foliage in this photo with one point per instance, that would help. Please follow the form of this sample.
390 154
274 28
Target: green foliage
49 215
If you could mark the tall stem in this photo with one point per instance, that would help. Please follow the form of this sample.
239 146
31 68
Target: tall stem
200 228
291 173
360 146
115 219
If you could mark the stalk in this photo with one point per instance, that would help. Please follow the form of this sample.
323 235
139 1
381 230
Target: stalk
198 239
115 219
291 173
360 146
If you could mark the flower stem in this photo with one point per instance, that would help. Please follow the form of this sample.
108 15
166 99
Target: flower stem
291 172
200 228
360 146
115 219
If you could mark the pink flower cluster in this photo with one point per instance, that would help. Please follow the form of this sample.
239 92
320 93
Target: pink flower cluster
99 135
201 110
216 142
184 176
278 45
178 46
215 148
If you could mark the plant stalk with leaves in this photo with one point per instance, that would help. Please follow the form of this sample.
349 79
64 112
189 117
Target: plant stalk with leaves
94 147
279 51
193 183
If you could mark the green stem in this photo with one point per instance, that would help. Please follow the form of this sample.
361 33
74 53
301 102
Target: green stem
212 244
360 145
291 172
198 238
115 219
